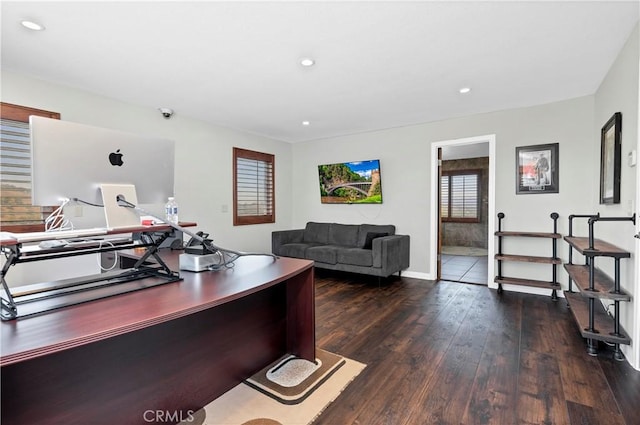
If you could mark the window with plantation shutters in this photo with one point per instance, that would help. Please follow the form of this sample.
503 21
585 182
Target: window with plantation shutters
460 196
253 187
16 212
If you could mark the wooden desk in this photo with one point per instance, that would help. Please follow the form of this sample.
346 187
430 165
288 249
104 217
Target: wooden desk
170 348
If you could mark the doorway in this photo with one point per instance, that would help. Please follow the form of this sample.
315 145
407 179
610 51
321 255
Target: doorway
463 180
464 267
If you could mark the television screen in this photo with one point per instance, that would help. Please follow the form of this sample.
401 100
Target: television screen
355 182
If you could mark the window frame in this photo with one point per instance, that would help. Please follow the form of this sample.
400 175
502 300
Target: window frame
21 113
240 220
464 172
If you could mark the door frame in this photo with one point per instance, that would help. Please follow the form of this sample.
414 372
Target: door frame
435 213
635 348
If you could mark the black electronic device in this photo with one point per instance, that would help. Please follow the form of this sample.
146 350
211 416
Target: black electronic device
196 247
174 241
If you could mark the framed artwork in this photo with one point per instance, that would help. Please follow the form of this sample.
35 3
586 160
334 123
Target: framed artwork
357 182
537 169
610 159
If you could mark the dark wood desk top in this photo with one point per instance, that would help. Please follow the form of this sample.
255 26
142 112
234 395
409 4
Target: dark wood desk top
39 335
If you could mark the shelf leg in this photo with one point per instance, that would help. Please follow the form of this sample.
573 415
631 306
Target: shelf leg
591 327
616 282
592 273
570 260
618 353
500 217
554 243
592 344
616 319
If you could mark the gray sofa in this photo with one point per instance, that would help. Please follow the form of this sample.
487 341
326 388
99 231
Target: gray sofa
359 248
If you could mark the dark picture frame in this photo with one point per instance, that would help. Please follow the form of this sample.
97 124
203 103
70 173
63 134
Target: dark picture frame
610 160
537 169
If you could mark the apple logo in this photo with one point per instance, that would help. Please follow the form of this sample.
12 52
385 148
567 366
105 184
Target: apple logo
115 158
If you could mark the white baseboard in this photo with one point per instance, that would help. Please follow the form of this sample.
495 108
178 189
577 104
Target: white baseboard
417 275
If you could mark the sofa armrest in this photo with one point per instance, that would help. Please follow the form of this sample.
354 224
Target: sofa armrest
281 237
391 253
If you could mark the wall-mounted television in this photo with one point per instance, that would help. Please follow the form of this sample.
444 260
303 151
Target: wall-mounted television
356 182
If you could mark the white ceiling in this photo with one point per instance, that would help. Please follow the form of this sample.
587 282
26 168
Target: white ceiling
378 64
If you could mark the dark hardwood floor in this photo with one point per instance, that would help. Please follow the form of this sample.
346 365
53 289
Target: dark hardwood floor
454 353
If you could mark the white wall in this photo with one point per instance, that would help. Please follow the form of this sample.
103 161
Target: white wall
203 160
404 155
619 93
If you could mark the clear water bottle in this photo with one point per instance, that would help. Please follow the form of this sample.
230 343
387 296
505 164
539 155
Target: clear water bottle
171 210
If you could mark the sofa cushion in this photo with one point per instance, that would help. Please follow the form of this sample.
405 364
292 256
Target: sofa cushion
343 234
355 256
322 253
368 240
295 250
316 233
389 229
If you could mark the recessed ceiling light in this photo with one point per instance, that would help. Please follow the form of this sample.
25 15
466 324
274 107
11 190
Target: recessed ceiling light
32 25
305 123
307 62
465 90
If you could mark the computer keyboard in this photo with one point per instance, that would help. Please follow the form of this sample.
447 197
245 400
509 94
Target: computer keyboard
57 234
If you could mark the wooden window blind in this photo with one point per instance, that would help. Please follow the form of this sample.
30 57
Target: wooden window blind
253 189
460 196
16 212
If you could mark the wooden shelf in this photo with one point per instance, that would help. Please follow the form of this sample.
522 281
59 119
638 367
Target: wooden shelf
526 282
600 247
603 284
602 287
531 234
528 259
603 323
553 260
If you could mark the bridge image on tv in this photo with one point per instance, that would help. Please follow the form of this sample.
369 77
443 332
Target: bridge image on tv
355 182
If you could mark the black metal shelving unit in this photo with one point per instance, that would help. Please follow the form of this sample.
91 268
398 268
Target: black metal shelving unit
554 261
594 321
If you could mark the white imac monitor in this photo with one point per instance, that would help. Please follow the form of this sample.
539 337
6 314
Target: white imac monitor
72 160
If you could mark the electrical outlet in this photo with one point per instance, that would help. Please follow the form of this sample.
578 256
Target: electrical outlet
78 212
224 208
